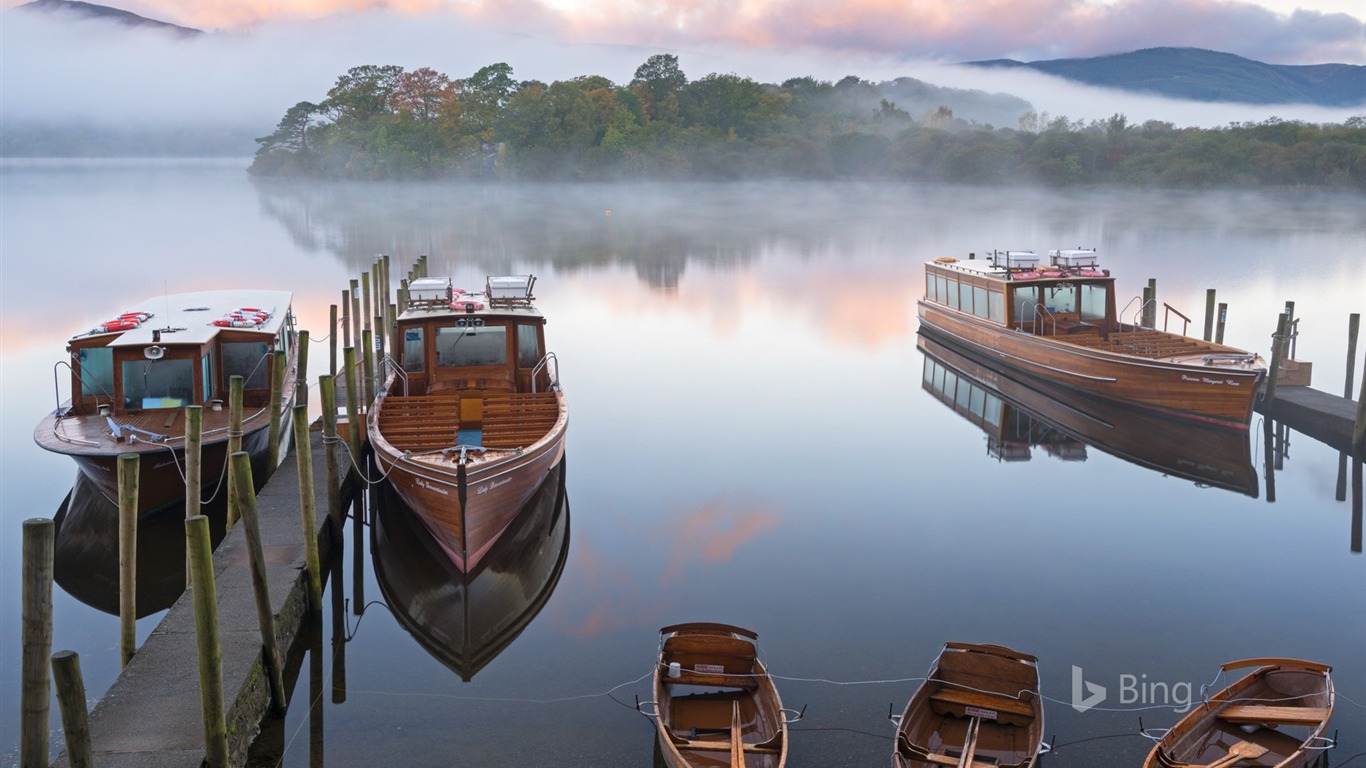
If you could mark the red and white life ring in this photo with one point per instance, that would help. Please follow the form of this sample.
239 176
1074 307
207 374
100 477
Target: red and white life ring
114 326
1091 273
1025 276
470 304
245 317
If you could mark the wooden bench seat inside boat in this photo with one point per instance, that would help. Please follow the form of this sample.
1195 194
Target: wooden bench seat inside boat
431 422
734 656
980 681
957 698
1260 714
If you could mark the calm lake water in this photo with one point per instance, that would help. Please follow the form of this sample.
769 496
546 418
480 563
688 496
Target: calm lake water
755 438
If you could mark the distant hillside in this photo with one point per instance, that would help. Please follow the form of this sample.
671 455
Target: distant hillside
105 13
1199 75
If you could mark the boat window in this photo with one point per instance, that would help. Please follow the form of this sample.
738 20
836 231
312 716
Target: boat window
1092 302
414 351
158 383
248 359
1025 299
97 372
929 287
963 397
950 384
979 301
941 289
979 401
991 411
457 347
965 297
206 377
528 346
1060 298
951 290
996 306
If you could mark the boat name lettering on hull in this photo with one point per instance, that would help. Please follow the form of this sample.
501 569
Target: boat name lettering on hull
431 487
1208 380
494 484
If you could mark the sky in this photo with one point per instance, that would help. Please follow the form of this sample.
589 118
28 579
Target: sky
271 54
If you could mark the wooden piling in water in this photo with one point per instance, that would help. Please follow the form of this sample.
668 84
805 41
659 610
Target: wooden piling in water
265 617
308 506
1353 328
367 340
194 436
301 375
327 393
128 465
39 535
200 550
365 301
235 385
1277 352
1209 314
345 319
277 384
332 340
352 407
354 304
1219 330
66 672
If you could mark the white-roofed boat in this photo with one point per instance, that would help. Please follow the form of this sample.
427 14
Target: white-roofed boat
132 376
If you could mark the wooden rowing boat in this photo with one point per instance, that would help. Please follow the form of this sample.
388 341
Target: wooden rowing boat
715 704
1059 323
978 708
1276 715
132 377
466 621
1019 414
470 418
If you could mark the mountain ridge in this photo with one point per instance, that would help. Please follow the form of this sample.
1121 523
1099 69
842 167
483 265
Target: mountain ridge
106 13
1198 74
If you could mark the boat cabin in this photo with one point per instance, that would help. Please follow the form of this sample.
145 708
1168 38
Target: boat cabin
179 350
1069 294
449 340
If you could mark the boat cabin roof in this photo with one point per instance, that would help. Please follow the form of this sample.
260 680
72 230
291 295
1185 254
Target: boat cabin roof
507 296
189 318
1021 266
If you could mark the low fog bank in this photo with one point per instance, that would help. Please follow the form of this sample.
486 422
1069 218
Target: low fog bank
63 80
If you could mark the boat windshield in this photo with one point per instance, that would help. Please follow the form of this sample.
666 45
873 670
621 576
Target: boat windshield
1092 301
1060 298
166 383
457 347
97 372
246 359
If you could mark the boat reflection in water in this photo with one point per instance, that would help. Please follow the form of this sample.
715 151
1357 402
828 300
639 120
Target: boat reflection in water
1018 417
86 549
466 620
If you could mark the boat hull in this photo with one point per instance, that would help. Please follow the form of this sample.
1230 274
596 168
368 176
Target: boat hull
467 515
735 715
1282 709
1214 394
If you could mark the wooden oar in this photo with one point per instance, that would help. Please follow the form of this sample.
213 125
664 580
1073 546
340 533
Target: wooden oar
970 746
737 744
1237 753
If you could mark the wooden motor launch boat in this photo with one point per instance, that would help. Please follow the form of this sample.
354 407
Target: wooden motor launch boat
715 704
1021 414
470 418
1276 715
978 707
1058 322
132 377
465 621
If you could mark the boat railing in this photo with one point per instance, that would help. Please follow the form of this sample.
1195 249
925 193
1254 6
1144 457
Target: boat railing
1166 316
1042 313
390 365
59 412
1139 312
551 365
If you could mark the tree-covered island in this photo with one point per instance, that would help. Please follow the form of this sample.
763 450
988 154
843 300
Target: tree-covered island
384 122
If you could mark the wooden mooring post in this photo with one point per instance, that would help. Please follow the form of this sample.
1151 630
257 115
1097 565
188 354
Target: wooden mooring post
39 536
1219 330
194 436
265 617
301 377
1209 314
200 550
1277 353
277 385
66 672
308 508
235 387
327 392
128 556
332 340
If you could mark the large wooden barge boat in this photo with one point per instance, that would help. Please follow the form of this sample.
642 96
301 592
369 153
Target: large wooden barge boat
132 376
470 418
1058 322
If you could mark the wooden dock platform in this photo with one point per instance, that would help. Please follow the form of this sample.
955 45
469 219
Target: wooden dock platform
1324 417
150 717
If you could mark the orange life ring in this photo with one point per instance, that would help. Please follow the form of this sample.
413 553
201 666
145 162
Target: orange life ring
945 260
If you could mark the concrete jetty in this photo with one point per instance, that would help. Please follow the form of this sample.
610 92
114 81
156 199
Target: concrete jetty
150 717
1324 417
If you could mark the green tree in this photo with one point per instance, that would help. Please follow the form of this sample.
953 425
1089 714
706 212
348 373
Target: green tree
657 83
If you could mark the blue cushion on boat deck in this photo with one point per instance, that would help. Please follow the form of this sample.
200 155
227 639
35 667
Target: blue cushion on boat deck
470 437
